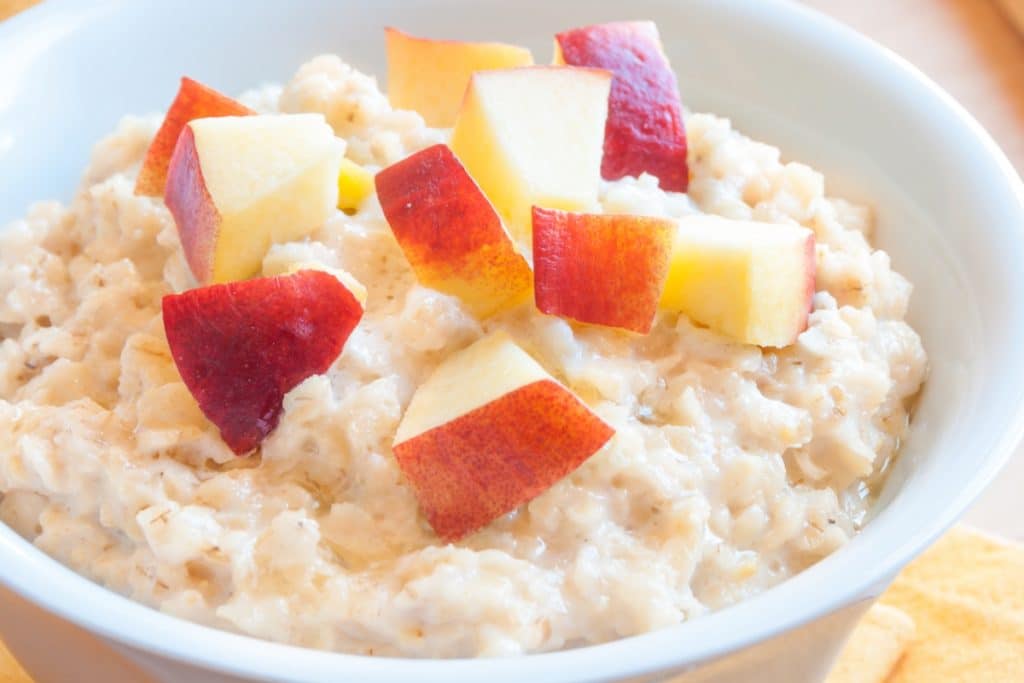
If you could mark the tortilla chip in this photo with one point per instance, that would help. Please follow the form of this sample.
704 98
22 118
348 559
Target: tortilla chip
966 597
973 565
874 648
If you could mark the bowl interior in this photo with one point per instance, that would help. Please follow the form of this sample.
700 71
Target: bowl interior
949 213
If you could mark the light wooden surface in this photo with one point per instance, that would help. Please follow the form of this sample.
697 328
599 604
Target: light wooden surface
1014 9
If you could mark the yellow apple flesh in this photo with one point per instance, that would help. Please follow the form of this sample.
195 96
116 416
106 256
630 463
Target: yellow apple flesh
193 101
236 185
533 137
355 184
751 281
430 76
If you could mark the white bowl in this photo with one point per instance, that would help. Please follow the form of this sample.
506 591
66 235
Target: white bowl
951 215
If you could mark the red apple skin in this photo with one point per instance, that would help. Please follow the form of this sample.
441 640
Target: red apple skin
193 101
240 347
602 269
486 463
644 130
450 232
188 200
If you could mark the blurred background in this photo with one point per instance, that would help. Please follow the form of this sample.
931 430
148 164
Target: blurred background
972 48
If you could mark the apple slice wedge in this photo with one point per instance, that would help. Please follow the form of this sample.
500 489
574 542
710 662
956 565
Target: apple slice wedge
603 269
430 76
751 281
193 101
240 347
645 131
236 185
489 430
533 136
450 233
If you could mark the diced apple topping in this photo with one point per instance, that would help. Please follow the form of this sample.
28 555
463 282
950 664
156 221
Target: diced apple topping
604 269
193 101
240 347
488 431
236 185
430 76
751 281
533 136
355 184
645 130
351 283
450 233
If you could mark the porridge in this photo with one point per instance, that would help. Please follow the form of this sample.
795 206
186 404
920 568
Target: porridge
724 467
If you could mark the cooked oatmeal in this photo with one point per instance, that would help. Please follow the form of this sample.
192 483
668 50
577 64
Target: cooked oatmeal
732 468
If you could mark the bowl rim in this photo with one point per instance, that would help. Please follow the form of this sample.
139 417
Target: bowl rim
56 588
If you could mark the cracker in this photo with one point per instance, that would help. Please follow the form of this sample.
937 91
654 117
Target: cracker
874 648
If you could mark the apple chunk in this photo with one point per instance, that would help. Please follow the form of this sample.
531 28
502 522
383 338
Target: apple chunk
193 101
236 185
355 184
450 233
604 269
751 281
240 347
430 76
489 430
645 130
533 136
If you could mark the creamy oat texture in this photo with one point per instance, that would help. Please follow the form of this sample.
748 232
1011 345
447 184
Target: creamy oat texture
732 469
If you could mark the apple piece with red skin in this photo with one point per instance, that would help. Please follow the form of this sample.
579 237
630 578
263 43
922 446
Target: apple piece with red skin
450 233
193 101
748 280
602 269
240 347
238 184
533 136
645 130
429 76
488 431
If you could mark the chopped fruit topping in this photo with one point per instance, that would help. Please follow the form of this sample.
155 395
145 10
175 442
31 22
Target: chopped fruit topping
533 136
751 281
645 122
242 346
430 76
236 185
355 184
603 269
351 284
193 101
450 233
488 431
